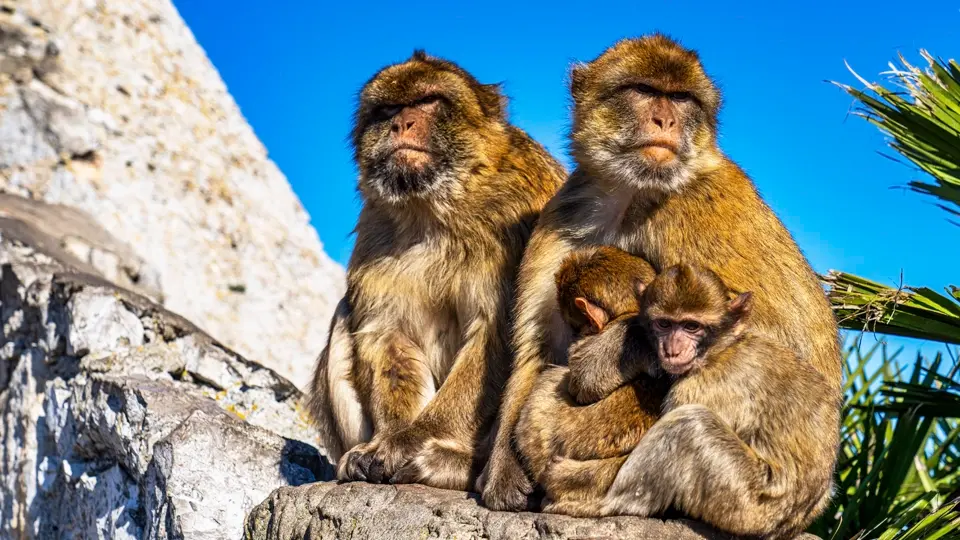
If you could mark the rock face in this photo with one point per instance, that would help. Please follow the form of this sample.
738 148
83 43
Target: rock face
327 511
111 108
123 420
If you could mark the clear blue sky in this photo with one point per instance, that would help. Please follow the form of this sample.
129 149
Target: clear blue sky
294 67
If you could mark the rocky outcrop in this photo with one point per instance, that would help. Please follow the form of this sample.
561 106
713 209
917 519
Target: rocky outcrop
123 420
327 511
111 108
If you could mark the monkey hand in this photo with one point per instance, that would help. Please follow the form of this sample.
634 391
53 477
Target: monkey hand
504 484
378 460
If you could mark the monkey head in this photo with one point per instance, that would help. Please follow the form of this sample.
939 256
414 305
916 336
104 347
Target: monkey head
688 312
645 114
595 286
421 125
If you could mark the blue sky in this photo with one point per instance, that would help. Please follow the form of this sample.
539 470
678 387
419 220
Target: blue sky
295 67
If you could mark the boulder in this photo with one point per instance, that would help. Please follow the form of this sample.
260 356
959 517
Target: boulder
121 419
328 511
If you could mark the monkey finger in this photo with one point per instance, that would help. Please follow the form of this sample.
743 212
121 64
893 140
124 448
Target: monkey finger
408 474
373 468
349 469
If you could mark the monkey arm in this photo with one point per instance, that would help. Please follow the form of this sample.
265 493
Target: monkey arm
540 338
446 442
601 363
396 376
693 461
438 446
333 402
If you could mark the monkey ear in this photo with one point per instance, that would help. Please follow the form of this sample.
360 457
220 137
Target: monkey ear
595 314
638 287
741 306
493 100
578 79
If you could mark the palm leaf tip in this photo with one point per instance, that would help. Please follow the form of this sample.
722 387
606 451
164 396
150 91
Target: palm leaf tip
920 112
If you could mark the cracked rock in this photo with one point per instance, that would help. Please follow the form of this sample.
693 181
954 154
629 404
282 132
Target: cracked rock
357 511
122 420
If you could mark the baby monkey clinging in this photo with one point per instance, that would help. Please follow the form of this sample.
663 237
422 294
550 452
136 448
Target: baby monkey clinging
595 287
741 443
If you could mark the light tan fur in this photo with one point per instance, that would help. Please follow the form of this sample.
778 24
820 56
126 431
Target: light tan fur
431 279
698 208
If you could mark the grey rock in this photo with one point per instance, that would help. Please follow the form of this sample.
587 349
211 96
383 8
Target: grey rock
123 420
328 511
73 236
112 108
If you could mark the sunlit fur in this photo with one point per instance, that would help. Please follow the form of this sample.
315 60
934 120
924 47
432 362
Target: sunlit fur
606 134
747 438
469 113
715 219
419 356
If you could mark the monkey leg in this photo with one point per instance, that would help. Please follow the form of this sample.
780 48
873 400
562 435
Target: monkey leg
552 424
443 464
400 384
333 402
574 451
693 461
540 338
439 447
576 488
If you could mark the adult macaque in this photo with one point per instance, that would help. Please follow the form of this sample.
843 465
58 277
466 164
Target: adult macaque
418 354
749 432
651 180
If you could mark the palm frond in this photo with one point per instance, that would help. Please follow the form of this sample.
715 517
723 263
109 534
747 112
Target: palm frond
921 114
916 312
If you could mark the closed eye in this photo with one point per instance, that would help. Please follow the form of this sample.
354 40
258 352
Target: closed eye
646 90
680 97
385 112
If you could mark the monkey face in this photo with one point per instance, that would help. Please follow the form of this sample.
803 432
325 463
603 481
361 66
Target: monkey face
688 312
678 343
644 113
416 129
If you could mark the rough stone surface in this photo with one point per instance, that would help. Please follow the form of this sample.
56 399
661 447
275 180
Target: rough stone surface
119 419
327 511
111 107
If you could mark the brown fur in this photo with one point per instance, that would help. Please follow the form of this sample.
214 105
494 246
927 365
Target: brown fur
618 403
606 277
553 426
749 434
699 208
426 314
603 275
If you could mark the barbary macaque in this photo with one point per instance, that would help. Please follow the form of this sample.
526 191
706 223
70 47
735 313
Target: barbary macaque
748 436
595 286
601 406
411 379
651 180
